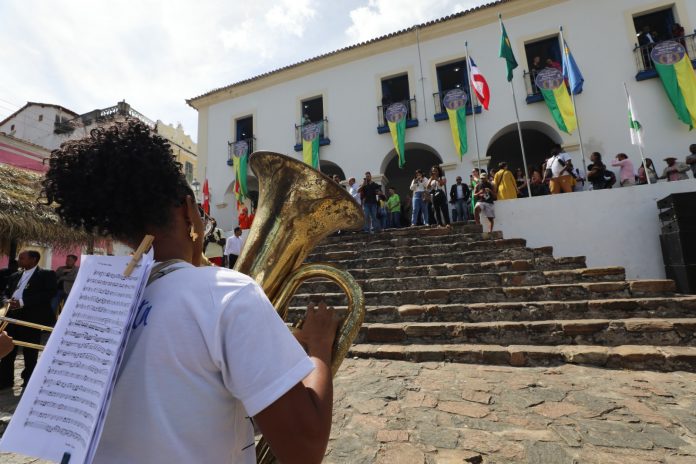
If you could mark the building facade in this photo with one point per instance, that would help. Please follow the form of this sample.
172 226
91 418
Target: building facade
37 123
348 88
183 147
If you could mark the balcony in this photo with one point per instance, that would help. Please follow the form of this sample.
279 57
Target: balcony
411 116
323 135
645 66
230 149
533 92
441 112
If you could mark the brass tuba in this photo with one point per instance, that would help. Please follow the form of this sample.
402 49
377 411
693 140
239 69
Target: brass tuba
298 207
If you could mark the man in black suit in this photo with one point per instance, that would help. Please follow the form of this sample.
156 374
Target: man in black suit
29 296
459 198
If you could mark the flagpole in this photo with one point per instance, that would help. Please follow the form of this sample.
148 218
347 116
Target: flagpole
519 126
640 147
473 108
575 110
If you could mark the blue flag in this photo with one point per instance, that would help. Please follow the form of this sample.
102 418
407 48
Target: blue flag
571 72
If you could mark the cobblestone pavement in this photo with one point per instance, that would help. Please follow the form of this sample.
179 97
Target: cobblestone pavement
402 413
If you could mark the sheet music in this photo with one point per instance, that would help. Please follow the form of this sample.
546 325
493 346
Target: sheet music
64 406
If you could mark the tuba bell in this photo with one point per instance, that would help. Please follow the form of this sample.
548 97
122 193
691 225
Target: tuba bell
298 207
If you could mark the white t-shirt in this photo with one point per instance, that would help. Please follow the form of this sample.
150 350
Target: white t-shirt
557 167
207 352
233 245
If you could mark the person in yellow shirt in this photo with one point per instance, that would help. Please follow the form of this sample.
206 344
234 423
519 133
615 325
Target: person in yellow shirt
504 183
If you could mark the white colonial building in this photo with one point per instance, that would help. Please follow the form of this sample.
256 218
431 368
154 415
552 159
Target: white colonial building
346 88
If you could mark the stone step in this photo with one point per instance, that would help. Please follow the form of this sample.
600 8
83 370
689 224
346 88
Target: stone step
605 332
552 292
372 241
622 308
637 357
439 257
429 249
457 280
419 231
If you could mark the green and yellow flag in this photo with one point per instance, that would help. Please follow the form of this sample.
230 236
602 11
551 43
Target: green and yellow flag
310 143
455 103
506 52
552 86
241 157
673 65
396 120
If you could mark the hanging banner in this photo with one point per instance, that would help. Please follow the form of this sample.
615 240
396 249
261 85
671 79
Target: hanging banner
396 120
455 103
241 156
310 143
552 85
674 67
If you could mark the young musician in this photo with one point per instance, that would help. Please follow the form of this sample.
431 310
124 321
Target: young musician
208 357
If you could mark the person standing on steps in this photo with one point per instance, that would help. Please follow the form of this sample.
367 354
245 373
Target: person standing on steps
459 197
419 208
369 191
504 183
437 185
485 196
394 208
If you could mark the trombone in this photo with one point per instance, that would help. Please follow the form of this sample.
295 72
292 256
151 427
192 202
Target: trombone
5 321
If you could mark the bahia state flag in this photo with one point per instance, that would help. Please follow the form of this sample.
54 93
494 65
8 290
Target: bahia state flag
479 84
455 103
241 157
571 71
552 85
673 65
396 120
310 143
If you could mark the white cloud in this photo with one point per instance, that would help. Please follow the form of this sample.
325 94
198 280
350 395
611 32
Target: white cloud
291 15
381 17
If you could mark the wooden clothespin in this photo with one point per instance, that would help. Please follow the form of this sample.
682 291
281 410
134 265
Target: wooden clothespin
144 246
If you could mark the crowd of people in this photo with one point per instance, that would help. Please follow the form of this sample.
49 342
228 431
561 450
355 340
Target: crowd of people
429 202
35 295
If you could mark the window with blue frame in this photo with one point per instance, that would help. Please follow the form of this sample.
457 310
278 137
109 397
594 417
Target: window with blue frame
542 53
313 110
656 26
244 130
450 76
395 89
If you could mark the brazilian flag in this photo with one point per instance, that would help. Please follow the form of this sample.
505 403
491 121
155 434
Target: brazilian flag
506 52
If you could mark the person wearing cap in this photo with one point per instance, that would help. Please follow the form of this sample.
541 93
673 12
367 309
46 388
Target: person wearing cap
485 196
674 170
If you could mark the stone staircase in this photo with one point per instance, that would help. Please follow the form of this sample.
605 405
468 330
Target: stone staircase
461 295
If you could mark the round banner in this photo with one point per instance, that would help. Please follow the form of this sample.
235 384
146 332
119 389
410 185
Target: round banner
455 99
241 148
311 131
667 53
549 79
396 112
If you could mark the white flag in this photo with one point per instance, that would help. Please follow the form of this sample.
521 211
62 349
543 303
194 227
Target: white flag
634 125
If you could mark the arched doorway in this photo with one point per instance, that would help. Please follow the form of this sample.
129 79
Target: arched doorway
538 138
330 169
418 156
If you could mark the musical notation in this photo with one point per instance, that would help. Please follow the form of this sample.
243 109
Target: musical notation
64 406
56 429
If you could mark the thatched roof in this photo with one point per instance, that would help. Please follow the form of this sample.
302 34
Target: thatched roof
24 218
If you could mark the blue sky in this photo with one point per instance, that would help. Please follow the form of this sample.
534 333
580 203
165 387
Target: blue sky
86 55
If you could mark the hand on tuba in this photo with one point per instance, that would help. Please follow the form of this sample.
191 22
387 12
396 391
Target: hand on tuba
318 330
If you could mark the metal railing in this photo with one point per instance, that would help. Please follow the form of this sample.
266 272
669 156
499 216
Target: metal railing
410 107
438 98
230 148
323 133
530 84
641 53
